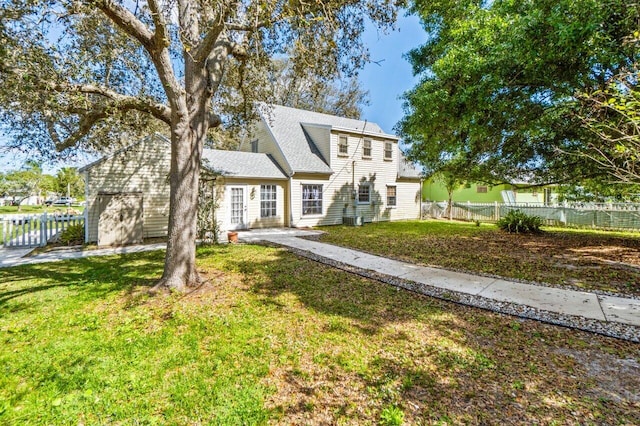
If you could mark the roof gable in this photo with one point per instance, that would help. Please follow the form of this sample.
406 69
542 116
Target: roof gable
287 125
154 137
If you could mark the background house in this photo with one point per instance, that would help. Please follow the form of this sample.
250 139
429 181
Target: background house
296 168
475 192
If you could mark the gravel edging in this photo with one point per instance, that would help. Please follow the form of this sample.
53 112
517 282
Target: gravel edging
606 328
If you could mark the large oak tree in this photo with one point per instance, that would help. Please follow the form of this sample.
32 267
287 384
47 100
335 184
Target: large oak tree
91 73
503 82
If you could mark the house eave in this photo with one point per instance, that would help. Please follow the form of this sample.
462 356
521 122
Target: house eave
352 130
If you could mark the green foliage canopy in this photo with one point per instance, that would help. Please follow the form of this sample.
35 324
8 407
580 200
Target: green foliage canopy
98 74
95 74
68 179
500 83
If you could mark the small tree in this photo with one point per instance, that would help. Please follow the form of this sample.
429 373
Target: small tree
24 183
451 182
69 180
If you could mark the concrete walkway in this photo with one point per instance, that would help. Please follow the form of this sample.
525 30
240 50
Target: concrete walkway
451 285
14 257
549 304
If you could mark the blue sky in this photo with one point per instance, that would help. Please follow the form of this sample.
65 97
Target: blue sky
386 78
391 76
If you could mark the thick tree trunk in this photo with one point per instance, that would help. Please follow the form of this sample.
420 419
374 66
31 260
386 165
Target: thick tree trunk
180 259
189 125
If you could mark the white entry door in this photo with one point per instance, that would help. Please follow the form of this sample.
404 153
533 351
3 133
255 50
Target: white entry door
237 207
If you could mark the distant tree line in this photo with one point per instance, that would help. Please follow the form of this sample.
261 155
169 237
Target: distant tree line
30 180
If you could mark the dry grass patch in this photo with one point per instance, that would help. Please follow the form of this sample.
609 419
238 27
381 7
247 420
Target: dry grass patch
589 260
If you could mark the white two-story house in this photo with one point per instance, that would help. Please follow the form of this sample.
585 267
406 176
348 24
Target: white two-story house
337 168
295 168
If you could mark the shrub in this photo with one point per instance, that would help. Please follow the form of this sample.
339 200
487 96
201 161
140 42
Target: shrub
391 416
519 222
73 235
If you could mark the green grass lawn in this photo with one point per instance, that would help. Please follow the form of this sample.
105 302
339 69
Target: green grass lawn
277 339
38 209
587 259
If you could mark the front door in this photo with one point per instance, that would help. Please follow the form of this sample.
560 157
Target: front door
237 207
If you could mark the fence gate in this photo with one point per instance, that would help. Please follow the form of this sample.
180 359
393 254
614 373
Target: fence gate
22 231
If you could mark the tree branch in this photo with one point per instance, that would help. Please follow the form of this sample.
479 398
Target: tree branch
127 21
161 36
118 101
156 44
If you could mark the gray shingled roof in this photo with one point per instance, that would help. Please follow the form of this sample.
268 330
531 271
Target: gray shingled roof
242 164
301 153
406 169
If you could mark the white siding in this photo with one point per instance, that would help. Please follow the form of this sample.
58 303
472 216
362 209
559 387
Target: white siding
266 144
349 172
252 194
320 135
141 168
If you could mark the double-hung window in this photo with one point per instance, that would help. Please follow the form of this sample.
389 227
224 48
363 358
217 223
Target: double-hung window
343 145
267 200
366 148
388 150
391 196
311 199
364 193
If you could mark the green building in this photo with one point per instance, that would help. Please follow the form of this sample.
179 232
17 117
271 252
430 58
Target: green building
433 190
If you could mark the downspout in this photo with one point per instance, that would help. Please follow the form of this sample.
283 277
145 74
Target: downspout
291 224
353 188
86 206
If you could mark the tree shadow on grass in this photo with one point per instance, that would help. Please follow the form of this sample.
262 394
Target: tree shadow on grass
89 278
436 360
333 292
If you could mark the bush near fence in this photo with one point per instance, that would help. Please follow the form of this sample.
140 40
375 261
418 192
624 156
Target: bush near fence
615 216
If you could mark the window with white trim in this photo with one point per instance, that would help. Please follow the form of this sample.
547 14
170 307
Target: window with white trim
388 150
268 200
364 193
311 199
366 148
392 200
343 145
254 145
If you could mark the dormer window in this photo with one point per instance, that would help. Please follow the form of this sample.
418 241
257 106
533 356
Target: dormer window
343 145
254 145
366 148
388 150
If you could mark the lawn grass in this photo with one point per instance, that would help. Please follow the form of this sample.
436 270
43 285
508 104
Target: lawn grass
584 259
277 339
5 210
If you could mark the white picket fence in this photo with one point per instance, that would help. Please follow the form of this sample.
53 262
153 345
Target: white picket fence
34 230
619 216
